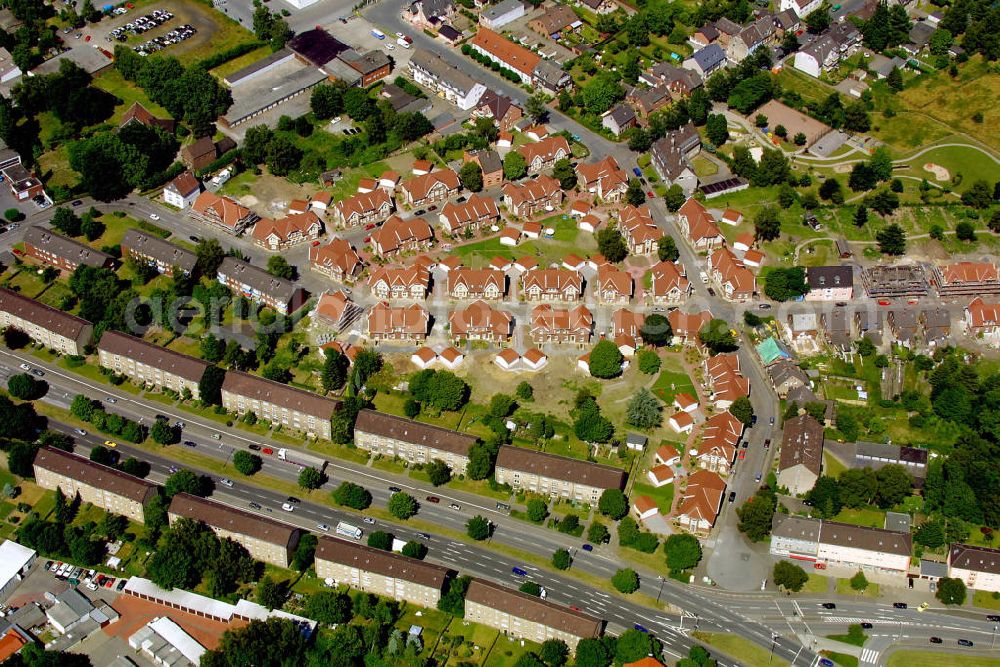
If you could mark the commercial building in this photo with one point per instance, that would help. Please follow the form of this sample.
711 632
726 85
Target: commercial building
152 250
559 476
526 616
100 485
61 252
258 285
381 572
266 540
278 403
146 363
412 441
977 567
161 640
840 544
53 328
15 562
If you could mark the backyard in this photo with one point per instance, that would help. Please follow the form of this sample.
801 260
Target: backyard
566 239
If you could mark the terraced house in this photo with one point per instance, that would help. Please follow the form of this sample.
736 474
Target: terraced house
604 179
529 198
381 572
553 475
51 327
557 325
526 616
412 441
469 216
642 235
152 250
100 485
400 282
363 208
430 188
267 540
402 324
148 364
667 283
430 70
337 259
258 285
278 403
545 153
506 53
477 284
64 253
223 213
613 285
480 321
286 232
397 236
552 285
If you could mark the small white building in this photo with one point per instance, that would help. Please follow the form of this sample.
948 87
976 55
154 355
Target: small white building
15 561
165 643
182 191
501 14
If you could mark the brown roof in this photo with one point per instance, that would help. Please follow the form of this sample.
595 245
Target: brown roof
385 319
638 225
703 495
553 279
476 280
556 19
36 312
983 314
607 171
396 232
65 248
560 467
224 209
688 324
283 228
363 203
169 361
969 272
550 319
534 609
385 563
538 189
701 225
185 184
337 253
406 276
665 276
332 306
612 278
976 559
224 517
728 384
733 271
94 474
419 186
514 55
413 432
480 315
547 149
253 387
475 209
150 245
802 444
625 322
862 537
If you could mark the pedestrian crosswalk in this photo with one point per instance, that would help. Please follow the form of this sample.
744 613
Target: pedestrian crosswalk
869 656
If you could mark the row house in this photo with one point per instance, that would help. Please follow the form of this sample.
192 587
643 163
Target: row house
626 330
686 326
414 442
528 198
146 363
642 235
977 567
716 32
400 282
557 476
476 213
481 321
667 283
679 81
801 460
707 61
108 488
338 260
525 616
182 191
267 540
381 572
982 319
830 283
447 81
545 153
968 278
720 438
698 226
552 285
364 208
47 326
485 284
736 280
502 110
905 327
701 502
150 249
844 545
259 286
555 20
409 323
286 232
64 253
725 380
837 328
557 325
397 236
613 285
671 156
278 403
490 165
506 53
604 179
222 212
430 188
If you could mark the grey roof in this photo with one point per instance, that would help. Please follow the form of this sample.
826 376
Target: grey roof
234 520
709 57
623 114
936 318
489 160
64 247
448 74
785 370
153 246
258 66
436 7
636 439
975 559
802 444
417 433
549 73
920 33
366 63
501 8
933 569
795 527
727 26
36 312
669 152
155 356
861 537
786 19
824 277
86 57
897 522
548 465
76 601
276 288
802 394
670 74
340 70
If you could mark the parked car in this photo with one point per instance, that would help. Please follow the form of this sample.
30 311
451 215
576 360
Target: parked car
503 506
25 367
254 506
587 547
324 527
993 618
121 584
188 443
966 643
732 496
225 481
80 431
637 171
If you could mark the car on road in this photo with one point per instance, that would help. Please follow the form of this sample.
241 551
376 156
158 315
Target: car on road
649 194
267 450
293 500
370 521
111 399
732 496
37 373
637 171
395 489
765 306
433 207
154 217
575 608
225 481
767 443
433 499
640 628
420 212
77 202
745 444
753 421
172 469
587 547
324 527
503 506
743 454
194 238
711 292
316 243
110 443
756 478
25 367
255 448
455 506
254 506
216 436
288 507
993 618
423 536
370 226
900 605
79 431
189 443
828 605
519 572
826 662
924 606
866 625
936 640
965 642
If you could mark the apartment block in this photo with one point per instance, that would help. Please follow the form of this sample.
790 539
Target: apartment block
258 285
45 325
151 249
100 485
61 252
556 475
978 567
415 442
146 363
267 540
278 403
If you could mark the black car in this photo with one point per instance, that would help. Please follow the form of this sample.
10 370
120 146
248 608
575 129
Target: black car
395 489
899 605
194 238
828 605
293 499
866 625
255 448
935 640
994 618
188 443
503 506
711 292
965 642
732 496
420 212
254 506
77 202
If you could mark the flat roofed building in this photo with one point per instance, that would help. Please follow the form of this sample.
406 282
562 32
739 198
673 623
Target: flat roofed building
267 540
412 441
165 256
527 616
53 328
978 567
556 475
278 403
61 252
258 285
382 572
146 363
15 562
100 485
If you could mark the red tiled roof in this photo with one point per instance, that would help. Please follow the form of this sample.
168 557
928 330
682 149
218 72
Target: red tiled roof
516 56
283 228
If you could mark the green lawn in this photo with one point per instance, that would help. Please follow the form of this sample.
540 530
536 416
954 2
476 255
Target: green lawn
750 654
55 293
844 588
841 658
970 163
832 466
110 80
865 516
817 584
565 240
934 659
664 496
671 383
26 281
855 635
986 600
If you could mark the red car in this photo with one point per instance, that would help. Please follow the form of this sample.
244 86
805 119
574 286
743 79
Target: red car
743 454
884 302
574 608
433 499
370 226
368 239
268 451
16 251
650 194
315 243
109 582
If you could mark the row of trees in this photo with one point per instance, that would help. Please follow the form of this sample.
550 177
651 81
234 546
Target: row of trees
92 412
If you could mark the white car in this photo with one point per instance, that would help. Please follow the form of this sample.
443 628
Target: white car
288 507
399 34
153 216
80 431
324 527
390 47
226 482
335 120
25 367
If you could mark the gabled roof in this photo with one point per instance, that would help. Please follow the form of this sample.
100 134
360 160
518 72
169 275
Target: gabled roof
605 171
479 316
233 520
802 444
476 280
185 184
688 324
285 227
396 232
384 319
733 271
419 186
701 225
474 209
338 253
224 209
983 314
703 496
65 247
401 276
414 432
46 317
546 149
533 609
281 395
666 276
560 467
728 384
378 561
160 250
363 203
243 272
551 319
709 57
155 356
538 189
611 278
553 280
514 55
94 474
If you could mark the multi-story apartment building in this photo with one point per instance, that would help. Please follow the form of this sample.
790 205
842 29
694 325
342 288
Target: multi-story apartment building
480 321
381 572
53 328
972 278
267 540
506 53
100 485
978 567
260 286
146 363
486 284
552 285
363 208
526 199
400 282
150 249
412 441
557 325
64 253
429 69
559 476
278 403
526 616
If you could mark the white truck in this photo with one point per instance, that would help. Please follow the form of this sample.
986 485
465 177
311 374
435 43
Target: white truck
404 41
349 530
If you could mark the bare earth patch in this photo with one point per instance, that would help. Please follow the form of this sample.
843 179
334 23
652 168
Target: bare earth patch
940 173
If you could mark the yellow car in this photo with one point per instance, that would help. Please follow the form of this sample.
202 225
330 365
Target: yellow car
109 443
924 606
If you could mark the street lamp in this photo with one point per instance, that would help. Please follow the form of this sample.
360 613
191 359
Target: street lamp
660 590
774 639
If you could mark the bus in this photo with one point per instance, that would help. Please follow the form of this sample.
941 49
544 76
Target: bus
378 33
348 530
